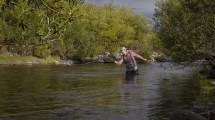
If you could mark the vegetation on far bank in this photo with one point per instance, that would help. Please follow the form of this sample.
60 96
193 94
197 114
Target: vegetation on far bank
207 93
25 60
71 30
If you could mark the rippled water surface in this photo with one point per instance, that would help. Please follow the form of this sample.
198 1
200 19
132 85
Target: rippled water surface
94 91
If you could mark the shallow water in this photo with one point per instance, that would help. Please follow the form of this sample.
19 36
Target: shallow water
94 91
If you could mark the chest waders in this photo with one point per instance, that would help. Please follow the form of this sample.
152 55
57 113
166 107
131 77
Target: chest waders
131 66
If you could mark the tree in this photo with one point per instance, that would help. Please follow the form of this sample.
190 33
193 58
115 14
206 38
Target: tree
106 28
31 27
186 28
69 30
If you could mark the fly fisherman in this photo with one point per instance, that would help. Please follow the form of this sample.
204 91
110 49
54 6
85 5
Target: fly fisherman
129 58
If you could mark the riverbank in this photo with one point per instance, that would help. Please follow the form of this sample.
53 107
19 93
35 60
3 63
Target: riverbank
26 60
14 59
10 59
201 109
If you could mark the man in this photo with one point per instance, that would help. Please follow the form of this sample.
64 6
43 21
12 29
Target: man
129 58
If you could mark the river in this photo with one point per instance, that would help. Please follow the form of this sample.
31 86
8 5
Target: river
95 92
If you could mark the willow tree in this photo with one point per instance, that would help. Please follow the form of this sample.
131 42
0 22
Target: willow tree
99 29
33 26
64 28
186 28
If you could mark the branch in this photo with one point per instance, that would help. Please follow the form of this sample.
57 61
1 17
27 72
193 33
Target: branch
49 7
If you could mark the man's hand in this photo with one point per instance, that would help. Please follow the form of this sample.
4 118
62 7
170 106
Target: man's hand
146 60
117 62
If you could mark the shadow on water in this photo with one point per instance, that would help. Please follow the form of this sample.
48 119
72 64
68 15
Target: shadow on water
94 91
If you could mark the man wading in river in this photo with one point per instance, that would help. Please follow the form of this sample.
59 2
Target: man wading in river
129 58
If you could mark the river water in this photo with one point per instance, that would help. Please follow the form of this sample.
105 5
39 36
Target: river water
95 92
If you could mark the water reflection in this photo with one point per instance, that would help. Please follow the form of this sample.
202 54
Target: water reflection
130 79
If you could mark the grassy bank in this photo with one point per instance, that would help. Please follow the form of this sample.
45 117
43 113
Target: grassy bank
19 60
205 103
207 93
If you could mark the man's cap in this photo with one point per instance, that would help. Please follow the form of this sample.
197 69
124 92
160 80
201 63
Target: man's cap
122 48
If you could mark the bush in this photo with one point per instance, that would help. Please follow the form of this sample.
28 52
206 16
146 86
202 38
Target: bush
41 51
61 29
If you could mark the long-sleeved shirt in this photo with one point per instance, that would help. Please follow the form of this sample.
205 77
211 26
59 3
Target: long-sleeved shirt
128 58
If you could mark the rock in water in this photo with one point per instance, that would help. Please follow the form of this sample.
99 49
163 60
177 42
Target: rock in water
185 115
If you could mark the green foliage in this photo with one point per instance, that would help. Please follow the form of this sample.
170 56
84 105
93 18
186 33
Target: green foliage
58 28
186 28
41 51
106 28
207 91
24 26
146 55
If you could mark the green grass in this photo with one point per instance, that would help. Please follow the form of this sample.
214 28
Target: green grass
19 60
207 91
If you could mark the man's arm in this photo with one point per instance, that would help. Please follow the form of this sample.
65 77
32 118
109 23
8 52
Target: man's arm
119 62
140 57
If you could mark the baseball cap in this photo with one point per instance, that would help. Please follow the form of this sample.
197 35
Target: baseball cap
122 48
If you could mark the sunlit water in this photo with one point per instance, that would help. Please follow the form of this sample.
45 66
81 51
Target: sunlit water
94 92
